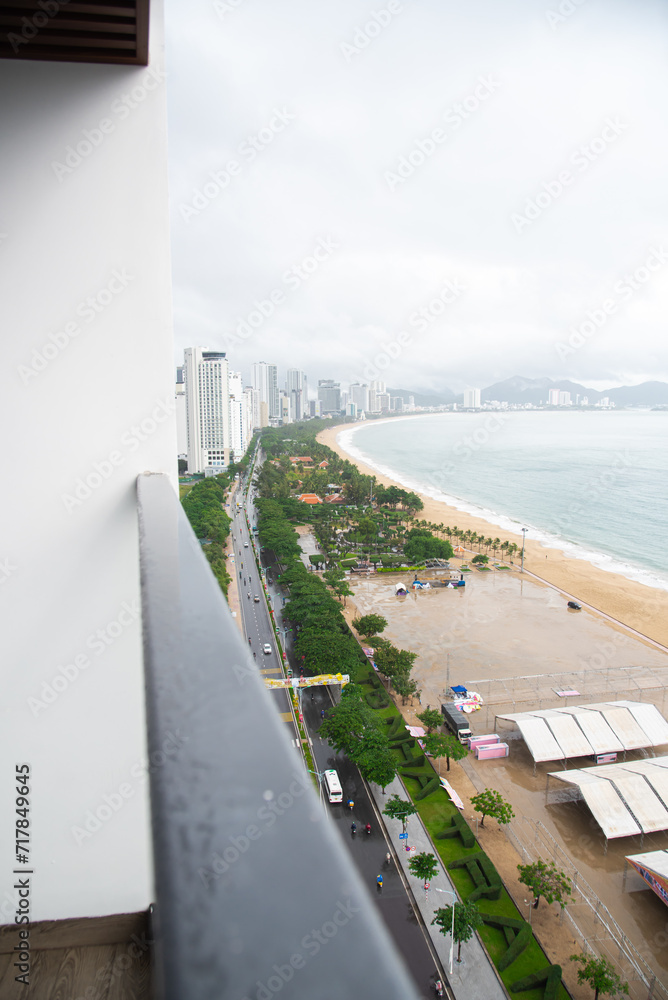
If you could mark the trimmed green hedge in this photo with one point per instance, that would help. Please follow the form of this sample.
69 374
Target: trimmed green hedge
458 828
550 975
520 938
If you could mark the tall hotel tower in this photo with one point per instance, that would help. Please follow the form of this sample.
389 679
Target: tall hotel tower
207 409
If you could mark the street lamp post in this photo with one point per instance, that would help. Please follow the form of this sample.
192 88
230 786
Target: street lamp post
530 905
449 892
524 532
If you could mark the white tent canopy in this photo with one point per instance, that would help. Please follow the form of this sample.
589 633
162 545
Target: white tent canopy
587 730
625 799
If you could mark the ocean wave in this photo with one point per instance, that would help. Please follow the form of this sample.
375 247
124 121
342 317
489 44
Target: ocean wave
547 539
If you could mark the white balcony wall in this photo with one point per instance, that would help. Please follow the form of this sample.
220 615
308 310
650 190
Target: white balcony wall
87 404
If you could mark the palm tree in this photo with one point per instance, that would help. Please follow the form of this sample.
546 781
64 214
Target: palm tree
495 546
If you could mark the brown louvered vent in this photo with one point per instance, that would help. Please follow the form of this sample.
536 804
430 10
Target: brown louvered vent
67 31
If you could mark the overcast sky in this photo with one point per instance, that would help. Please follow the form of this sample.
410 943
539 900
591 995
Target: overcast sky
499 166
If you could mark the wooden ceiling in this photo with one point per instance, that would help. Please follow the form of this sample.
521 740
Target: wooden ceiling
68 31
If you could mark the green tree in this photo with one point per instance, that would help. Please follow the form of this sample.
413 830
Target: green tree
375 759
600 975
431 719
405 686
545 879
424 866
467 920
370 625
336 579
480 560
397 808
447 746
491 803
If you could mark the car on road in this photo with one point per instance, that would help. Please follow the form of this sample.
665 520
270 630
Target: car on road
245 545
256 599
574 606
266 648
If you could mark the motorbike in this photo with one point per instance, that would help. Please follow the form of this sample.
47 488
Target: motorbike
438 986
379 881
367 828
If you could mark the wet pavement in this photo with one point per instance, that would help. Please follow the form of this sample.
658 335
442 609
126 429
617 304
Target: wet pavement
367 851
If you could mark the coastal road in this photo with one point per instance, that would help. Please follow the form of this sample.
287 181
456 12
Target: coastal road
255 615
367 852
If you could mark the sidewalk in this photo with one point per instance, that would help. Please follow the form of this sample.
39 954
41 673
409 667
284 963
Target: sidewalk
476 978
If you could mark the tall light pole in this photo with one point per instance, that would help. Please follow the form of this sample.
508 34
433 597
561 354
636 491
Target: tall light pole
449 892
524 533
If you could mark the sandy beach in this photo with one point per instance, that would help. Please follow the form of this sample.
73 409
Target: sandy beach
642 608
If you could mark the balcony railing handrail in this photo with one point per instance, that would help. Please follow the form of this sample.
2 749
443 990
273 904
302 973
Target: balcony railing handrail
255 895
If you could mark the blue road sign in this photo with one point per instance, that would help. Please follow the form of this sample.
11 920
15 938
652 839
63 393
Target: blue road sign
403 836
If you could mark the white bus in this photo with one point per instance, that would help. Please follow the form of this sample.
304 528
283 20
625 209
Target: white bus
333 786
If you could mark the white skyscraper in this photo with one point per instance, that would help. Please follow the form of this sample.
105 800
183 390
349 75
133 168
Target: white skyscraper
239 439
297 389
207 409
472 399
359 395
265 379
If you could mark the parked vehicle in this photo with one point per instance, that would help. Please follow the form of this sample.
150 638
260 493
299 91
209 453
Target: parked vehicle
456 722
574 606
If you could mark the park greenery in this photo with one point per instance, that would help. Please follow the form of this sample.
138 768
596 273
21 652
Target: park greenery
424 866
546 880
467 920
491 803
397 808
445 745
367 725
600 975
204 505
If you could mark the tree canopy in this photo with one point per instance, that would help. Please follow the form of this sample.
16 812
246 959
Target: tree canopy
545 879
600 975
491 803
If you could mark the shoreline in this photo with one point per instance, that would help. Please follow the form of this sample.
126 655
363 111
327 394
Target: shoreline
634 605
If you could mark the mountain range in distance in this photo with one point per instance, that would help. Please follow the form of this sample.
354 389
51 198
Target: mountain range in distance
520 390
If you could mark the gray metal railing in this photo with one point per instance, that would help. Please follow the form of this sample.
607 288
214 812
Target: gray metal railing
255 895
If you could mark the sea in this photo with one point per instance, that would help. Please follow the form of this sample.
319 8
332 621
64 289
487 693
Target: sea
592 483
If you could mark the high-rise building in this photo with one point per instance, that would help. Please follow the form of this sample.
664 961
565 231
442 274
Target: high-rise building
553 397
240 423
382 402
285 408
472 399
265 379
297 388
207 409
564 398
359 395
329 395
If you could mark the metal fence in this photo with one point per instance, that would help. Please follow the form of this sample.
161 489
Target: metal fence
593 684
589 918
